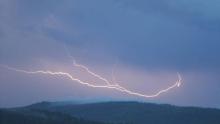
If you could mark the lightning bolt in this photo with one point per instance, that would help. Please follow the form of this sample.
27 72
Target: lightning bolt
107 85
96 75
90 72
123 89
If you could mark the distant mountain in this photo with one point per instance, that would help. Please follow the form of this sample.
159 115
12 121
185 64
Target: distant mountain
135 112
33 116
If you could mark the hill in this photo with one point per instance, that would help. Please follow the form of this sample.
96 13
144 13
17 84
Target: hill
33 116
135 112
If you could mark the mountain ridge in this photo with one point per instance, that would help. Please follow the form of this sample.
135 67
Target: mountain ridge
134 112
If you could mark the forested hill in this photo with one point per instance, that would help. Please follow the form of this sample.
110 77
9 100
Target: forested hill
135 112
33 116
108 112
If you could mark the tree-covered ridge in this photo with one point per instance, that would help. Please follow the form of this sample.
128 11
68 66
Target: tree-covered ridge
33 116
108 112
136 112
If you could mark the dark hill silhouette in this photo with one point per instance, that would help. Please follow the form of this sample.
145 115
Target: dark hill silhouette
33 116
135 112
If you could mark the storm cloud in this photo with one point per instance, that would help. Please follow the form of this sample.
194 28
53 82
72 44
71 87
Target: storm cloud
144 37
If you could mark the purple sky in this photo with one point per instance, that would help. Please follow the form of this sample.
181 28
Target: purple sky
145 42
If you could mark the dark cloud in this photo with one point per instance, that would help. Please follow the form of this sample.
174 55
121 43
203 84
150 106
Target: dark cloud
164 35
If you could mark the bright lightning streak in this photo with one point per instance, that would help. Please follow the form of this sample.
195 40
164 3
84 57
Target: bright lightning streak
90 72
177 84
96 75
109 86
58 74
85 68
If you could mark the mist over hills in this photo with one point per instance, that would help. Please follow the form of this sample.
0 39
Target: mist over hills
129 112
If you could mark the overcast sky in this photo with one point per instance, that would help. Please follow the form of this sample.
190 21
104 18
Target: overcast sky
145 43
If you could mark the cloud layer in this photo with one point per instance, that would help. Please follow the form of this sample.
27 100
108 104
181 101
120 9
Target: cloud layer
150 38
